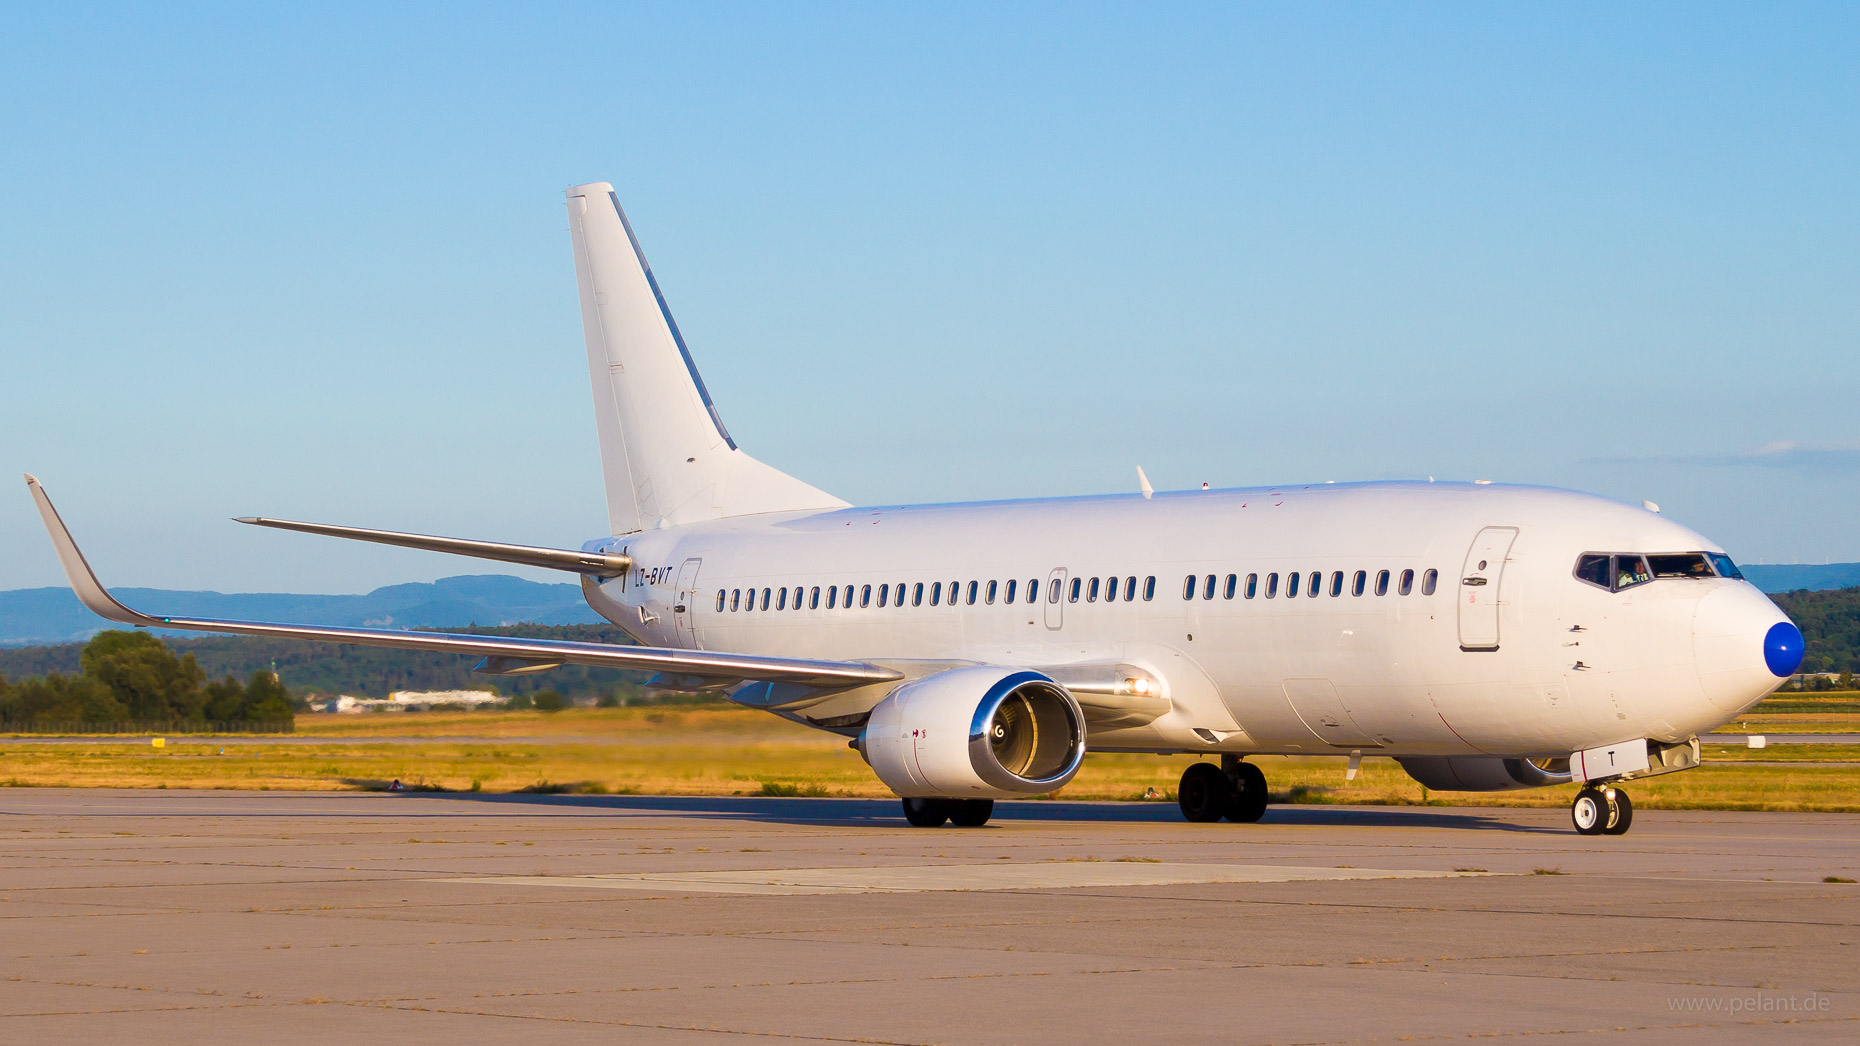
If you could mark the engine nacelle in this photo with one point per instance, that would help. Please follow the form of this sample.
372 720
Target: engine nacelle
981 732
1464 773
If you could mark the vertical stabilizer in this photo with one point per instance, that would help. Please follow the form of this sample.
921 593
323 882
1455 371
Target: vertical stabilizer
666 456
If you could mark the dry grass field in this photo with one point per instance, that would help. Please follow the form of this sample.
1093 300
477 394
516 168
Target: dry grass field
722 750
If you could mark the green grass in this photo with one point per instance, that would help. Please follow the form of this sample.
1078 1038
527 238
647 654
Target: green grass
731 751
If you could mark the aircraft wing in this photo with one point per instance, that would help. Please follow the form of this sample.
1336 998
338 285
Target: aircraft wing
702 665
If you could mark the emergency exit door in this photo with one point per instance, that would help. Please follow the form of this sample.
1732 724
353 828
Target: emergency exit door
1479 587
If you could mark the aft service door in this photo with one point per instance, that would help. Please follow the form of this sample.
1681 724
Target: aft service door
684 605
1055 599
1479 587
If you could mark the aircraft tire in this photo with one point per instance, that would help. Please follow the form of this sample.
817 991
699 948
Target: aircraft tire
1589 812
926 813
1625 816
1203 793
970 813
1247 803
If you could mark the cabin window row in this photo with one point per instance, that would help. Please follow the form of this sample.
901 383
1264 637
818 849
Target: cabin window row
935 593
1312 584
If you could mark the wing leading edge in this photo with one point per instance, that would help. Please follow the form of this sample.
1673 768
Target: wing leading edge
706 665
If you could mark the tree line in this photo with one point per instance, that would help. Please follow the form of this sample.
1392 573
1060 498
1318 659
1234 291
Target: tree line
1830 624
134 678
327 668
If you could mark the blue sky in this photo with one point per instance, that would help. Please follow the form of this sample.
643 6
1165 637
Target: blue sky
312 261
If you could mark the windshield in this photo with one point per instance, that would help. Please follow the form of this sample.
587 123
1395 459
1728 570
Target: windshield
1685 564
1615 571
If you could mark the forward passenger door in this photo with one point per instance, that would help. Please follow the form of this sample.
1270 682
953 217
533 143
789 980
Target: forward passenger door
1479 587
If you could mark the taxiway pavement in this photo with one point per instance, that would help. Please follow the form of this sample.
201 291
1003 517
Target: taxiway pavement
187 917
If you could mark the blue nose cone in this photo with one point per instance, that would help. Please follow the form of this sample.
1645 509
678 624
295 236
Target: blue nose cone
1783 648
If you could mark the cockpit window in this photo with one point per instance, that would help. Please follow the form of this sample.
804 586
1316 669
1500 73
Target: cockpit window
1625 570
1630 571
1685 564
1593 569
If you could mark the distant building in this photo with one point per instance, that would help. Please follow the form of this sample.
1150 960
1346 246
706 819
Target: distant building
411 701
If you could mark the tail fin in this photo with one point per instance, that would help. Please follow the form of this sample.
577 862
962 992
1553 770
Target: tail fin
666 456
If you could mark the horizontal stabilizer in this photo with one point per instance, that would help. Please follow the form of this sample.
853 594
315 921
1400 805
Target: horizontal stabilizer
499 650
599 564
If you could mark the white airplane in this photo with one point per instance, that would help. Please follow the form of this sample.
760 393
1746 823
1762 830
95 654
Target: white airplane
1485 636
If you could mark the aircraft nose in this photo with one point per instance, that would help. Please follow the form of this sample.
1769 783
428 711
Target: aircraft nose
1743 646
1783 648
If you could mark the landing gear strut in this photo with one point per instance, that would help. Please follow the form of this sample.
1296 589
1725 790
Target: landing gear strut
1235 790
963 813
1602 811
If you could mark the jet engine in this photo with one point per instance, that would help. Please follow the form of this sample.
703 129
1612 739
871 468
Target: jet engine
1461 773
984 732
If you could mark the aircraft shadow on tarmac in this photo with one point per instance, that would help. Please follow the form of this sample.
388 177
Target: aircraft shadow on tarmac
881 812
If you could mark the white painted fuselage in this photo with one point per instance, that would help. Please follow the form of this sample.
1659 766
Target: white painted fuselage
1510 654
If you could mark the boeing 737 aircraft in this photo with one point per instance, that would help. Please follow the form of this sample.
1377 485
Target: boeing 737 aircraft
1485 636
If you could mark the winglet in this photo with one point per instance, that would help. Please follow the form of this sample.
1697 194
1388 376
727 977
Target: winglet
83 580
1143 484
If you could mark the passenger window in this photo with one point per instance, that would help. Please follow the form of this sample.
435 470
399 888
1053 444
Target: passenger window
865 596
883 590
1252 585
1723 563
1149 588
765 599
846 598
1291 585
736 598
972 587
936 593
1008 596
1272 586
813 599
1232 586
1314 584
1683 565
1110 590
1382 582
1336 583
798 593
1407 582
1357 582
1207 587
1091 593
991 591
720 594
1188 587
833 596
1630 571
1078 585
1033 590
1130 588
1052 591
1428 581
917 594
781 599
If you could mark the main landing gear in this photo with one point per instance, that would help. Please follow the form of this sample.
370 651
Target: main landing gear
1602 811
1235 790
963 813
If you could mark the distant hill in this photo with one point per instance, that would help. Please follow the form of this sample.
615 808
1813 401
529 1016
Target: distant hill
1791 577
53 615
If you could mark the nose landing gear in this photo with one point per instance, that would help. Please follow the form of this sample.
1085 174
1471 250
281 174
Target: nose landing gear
1602 811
